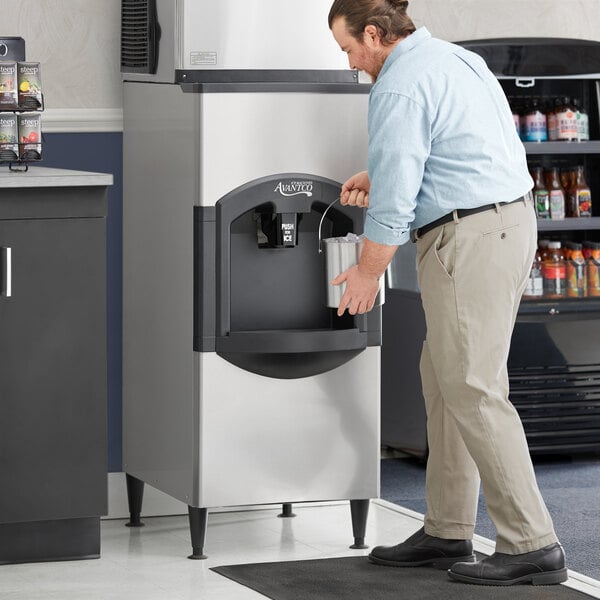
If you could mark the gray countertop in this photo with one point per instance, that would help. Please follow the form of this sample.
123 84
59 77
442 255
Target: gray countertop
37 177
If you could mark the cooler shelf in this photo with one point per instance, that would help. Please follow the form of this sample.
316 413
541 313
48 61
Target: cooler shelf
569 224
592 147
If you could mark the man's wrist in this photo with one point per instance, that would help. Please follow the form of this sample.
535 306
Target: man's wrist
365 271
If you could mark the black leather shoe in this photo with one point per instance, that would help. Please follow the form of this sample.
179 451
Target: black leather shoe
421 549
540 567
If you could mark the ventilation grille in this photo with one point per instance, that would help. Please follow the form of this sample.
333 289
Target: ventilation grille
139 36
559 407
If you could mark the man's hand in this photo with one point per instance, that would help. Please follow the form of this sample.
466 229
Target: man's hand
362 280
361 290
355 191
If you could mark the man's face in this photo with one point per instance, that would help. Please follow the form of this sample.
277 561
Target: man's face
365 55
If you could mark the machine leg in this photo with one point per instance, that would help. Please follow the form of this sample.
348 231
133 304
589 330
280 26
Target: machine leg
286 511
135 494
198 518
359 509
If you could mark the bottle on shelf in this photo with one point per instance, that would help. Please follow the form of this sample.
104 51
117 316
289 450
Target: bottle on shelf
515 107
593 269
535 122
579 197
566 121
541 195
556 194
566 248
587 249
566 179
543 248
554 272
551 119
575 272
583 122
535 283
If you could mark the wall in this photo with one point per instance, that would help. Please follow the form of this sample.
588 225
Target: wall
78 42
456 20
85 78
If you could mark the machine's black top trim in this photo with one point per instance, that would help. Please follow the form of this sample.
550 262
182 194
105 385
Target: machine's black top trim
538 57
265 76
275 88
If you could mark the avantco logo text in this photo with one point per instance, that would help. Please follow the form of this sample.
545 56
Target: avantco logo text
293 188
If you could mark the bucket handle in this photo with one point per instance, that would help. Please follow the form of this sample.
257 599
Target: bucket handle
321 222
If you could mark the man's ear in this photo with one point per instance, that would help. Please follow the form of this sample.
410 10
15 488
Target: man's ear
371 35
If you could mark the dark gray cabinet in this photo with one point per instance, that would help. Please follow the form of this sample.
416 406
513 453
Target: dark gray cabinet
53 448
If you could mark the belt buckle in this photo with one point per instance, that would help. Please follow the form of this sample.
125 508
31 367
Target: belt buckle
414 235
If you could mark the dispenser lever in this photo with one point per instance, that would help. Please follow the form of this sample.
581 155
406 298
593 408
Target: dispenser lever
321 221
287 225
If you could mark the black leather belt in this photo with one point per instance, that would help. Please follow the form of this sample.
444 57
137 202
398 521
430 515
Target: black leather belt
460 213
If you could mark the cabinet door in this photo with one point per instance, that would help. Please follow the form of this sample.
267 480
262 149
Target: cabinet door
53 370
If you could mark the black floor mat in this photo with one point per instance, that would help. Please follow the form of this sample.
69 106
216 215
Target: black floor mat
356 578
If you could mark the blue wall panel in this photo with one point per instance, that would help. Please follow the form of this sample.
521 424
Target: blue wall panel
102 153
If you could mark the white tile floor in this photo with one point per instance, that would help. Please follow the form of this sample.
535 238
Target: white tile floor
150 563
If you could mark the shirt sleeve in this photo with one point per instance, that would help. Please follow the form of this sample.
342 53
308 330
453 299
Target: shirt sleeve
399 145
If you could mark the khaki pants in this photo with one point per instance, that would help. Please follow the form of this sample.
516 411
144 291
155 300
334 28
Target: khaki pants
472 273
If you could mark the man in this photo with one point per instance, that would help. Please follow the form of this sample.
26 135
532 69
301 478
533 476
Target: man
446 167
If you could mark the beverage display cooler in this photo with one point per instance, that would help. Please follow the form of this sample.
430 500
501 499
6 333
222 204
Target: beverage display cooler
553 87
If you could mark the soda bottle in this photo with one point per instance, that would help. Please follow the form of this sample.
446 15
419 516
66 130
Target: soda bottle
583 122
576 272
557 195
541 195
593 270
535 283
566 121
551 122
515 107
535 123
567 248
579 195
554 272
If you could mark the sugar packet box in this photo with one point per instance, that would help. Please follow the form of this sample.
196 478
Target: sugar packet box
29 85
8 85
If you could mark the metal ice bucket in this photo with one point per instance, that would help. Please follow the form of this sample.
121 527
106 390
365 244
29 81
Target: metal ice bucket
341 253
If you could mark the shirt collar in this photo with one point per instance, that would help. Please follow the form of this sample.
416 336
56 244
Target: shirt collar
406 45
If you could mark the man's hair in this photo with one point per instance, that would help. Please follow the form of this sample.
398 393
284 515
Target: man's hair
389 16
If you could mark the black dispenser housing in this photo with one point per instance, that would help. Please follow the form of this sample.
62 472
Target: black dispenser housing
269 294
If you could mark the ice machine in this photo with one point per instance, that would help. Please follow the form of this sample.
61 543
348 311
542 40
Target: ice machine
240 386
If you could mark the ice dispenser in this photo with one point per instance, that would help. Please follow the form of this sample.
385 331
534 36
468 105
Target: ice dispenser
272 295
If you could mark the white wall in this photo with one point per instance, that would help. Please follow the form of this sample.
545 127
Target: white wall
78 42
456 20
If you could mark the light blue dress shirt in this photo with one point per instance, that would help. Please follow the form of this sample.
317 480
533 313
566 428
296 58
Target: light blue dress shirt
441 137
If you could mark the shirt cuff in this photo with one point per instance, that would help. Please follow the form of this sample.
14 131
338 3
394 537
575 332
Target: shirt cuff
380 234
